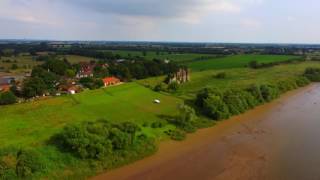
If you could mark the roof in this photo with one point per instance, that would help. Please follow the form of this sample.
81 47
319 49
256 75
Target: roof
110 79
4 88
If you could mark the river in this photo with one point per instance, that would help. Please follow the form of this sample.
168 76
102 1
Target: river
278 141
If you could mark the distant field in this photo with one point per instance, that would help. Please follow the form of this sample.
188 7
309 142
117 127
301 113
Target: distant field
23 62
236 61
185 57
33 123
236 78
73 59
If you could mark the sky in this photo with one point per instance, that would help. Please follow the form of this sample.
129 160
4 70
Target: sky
243 21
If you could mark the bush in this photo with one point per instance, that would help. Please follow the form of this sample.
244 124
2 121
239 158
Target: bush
221 75
91 83
287 85
187 119
177 135
159 87
235 102
313 74
269 92
7 172
97 140
158 124
215 108
205 94
302 81
7 98
173 87
28 163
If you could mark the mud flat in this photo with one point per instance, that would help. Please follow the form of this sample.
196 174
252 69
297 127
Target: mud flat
279 140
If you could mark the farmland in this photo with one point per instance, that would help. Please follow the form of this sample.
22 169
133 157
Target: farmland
35 122
235 78
236 61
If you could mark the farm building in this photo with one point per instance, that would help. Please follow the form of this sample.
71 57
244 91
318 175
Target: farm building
109 81
86 70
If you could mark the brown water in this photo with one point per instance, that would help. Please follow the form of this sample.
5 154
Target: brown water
280 140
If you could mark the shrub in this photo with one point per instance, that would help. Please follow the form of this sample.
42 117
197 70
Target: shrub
91 83
97 140
7 98
28 163
221 75
313 74
255 91
287 85
159 87
173 87
177 135
187 118
205 94
215 108
235 102
269 92
158 124
302 81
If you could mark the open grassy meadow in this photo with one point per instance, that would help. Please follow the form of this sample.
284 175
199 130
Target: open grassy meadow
33 123
236 61
23 62
177 57
235 78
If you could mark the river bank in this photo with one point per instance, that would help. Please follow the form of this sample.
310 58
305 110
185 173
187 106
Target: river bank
264 143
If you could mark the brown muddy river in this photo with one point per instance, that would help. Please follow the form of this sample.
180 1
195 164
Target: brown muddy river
277 141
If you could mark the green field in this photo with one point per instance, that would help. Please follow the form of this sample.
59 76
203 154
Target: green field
32 124
177 57
23 62
236 78
35 122
236 61
74 59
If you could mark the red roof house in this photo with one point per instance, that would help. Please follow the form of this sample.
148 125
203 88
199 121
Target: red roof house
4 88
109 81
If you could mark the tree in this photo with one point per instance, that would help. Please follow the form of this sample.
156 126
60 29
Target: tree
215 108
186 119
253 64
7 98
14 67
33 86
91 83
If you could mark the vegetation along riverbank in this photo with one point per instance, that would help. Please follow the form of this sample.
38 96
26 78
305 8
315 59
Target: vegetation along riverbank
74 137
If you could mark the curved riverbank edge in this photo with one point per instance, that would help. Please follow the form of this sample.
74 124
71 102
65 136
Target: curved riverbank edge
173 152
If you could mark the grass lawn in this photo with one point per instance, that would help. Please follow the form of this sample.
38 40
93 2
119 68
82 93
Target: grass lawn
33 123
236 61
236 78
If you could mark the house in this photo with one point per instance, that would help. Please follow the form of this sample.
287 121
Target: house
109 81
4 88
69 89
86 70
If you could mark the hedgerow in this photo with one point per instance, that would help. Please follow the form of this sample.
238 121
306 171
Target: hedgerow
219 105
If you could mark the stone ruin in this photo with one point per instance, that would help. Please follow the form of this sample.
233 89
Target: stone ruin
181 76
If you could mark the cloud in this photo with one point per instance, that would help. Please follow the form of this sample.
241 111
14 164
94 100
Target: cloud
162 9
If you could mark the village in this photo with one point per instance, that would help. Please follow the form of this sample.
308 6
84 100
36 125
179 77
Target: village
71 87
57 77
